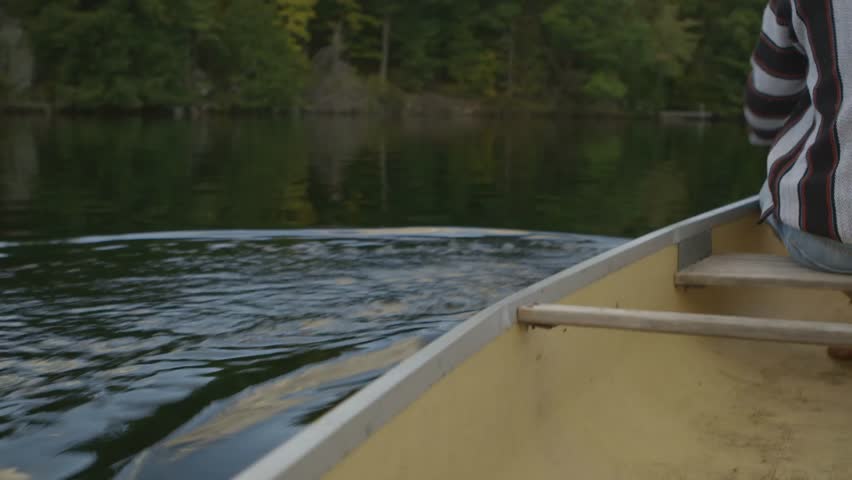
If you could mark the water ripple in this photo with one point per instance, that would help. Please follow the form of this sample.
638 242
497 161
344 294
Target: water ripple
193 343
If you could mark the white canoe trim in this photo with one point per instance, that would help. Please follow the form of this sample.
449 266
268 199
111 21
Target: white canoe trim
323 444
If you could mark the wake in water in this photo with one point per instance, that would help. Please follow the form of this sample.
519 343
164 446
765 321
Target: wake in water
204 350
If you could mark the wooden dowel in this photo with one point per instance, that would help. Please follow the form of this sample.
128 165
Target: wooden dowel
749 328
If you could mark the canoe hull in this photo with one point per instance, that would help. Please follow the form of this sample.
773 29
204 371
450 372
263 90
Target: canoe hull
583 403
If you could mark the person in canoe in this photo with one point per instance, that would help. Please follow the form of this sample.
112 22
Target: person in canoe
795 102
799 102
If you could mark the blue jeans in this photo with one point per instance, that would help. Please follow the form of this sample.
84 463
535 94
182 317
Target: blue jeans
813 251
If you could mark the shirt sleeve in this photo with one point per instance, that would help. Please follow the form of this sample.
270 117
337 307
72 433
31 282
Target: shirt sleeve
778 75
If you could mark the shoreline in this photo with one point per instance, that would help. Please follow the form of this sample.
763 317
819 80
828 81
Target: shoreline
200 112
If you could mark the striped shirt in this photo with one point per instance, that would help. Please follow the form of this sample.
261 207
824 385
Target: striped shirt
795 102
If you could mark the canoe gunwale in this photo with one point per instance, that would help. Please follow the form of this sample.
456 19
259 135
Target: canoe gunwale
320 446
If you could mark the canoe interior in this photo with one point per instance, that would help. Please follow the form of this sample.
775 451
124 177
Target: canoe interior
573 403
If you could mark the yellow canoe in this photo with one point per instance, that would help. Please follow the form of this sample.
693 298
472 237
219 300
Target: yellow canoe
694 352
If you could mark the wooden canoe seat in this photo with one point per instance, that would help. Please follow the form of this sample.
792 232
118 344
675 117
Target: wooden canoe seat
749 328
757 271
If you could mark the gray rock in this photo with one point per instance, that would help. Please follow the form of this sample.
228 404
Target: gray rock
336 87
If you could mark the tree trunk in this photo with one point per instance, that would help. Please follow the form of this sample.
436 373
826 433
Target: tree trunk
386 30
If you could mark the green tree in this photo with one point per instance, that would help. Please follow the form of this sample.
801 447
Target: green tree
383 13
598 49
727 31
636 55
296 16
672 41
340 22
155 53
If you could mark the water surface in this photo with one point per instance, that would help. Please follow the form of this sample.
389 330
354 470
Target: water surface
178 298
76 177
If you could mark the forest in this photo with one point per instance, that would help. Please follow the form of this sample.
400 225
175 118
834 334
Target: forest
631 56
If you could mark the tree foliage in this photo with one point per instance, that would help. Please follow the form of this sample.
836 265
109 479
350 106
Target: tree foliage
296 17
638 55
133 54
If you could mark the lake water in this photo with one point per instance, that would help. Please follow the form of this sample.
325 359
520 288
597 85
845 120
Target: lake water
177 298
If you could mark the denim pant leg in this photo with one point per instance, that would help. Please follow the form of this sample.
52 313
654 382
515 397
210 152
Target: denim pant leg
812 251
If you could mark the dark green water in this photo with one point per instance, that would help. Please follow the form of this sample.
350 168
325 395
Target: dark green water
177 298
82 177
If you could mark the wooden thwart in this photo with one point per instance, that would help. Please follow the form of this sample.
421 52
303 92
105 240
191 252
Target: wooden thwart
749 328
756 271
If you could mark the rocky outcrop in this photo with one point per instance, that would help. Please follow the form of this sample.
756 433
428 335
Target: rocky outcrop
336 87
17 63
